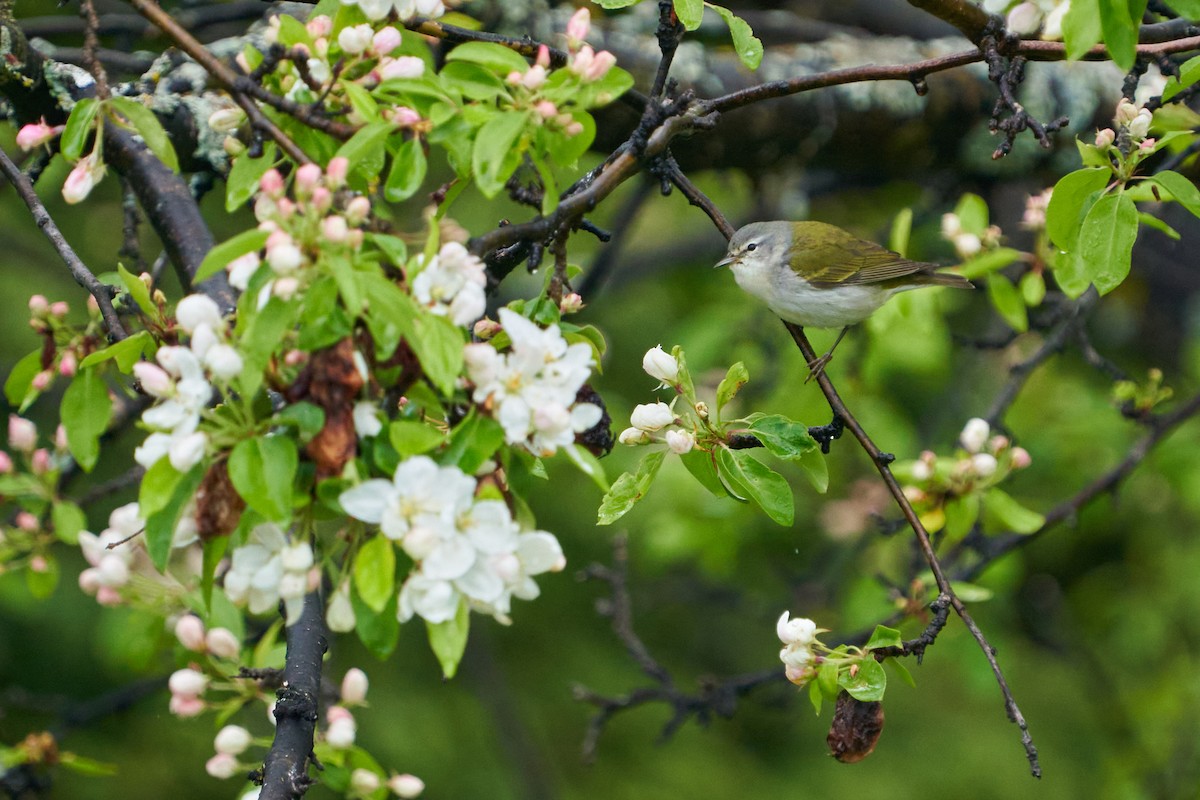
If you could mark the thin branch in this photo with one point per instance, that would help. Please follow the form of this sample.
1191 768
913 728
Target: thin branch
79 271
969 18
91 44
670 32
223 73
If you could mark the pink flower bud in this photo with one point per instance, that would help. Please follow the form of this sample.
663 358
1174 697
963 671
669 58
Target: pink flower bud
1146 145
571 303
27 522
307 178
36 134
22 434
232 740
286 288
68 364
534 78
402 67
222 643
322 199
42 380
294 358
578 26
1105 138
154 379
543 56
601 64
222 765
271 183
60 309
574 129
546 109
39 462
181 705
187 682
385 41
335 228
318 26
189 630
338 713
83 178
39 564
403 115
354 687
513 78
60 437
336 172
6 463
357 210
38 304
582 61
1020 458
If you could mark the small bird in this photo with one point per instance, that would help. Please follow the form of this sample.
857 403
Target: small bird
817 275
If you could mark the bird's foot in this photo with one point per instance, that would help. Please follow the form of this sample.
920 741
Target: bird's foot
817 366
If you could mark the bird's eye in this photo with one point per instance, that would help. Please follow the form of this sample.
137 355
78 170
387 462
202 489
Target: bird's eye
750 248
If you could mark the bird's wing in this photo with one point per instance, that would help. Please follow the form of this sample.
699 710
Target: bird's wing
857 261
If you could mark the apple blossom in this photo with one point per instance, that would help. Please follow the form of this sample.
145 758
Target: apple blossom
364 781
354 687
660 365
222 766
974 434
366 419
232 740
339 614
189 630
385 40
355 39
83 178
222 643
651 416
406 786
22 434
983 464
196 310
37 134
680 442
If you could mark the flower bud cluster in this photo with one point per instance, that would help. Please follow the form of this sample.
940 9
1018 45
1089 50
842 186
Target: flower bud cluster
405 10
799 637
452 284
983 461
651 422
36 134
1132 120
299 227
183 381
968 243
532 389
229 743
187 689
1034 218
218 642
463 547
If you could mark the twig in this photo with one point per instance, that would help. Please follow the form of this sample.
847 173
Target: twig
285 769
91 43
670 32
79 271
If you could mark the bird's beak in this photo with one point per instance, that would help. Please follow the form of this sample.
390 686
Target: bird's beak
724 262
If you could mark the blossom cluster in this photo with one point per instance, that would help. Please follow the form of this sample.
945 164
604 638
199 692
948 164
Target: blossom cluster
799 637
968 243
452 284
462 546
298 229
983 461
23 439
120 567
405 10
87 172
181 384
1132 120
268 569
650 422
532 389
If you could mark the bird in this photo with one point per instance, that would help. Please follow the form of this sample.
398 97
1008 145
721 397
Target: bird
818 275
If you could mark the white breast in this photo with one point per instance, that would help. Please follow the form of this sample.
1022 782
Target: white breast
794 300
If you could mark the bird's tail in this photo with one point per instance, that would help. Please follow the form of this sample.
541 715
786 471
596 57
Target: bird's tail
932 278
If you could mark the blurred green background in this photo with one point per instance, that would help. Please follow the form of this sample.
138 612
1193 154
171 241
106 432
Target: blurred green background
1096 624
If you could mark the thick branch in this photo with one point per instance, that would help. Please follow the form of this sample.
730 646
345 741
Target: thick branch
285 770
969 18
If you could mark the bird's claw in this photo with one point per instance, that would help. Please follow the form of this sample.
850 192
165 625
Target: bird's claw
817 366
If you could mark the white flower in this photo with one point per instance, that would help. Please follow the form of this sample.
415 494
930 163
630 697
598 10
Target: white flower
660 365
433 601
402 67
680 442
651 416
222 643
187 682
223 361
364 781
406 786
420 494
198 309
633 436
366 419
267 570
341 733
186 451
799 631
232 739
983 464
154 379
974 434
452 284
356 39
285 258
354 686
222 766
1053 31
242 269
340 613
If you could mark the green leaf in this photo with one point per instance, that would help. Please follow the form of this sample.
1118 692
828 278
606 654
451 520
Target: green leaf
242 181
1063 214
307 418
1119 22
1008 302
588 464
497 58
138 291
1182 190
700 464
628 489
448 639
901 231
1081 27
392 315
367 147
1002 511
438 343
18 386
816 469
218 258
971 593
1151 221
496 154
41 583
78 128
360 100
474 81
160 526
85 412
748 47
784 438
988 261
564 150
262 470
157 486
883 636
472 442
762 484
407 173
263 330
1033 288
868 684
375 572
126 352
1106 240
961 515
972 213
393 247
411 438
148 127
815 696
68 520
731 384
901 671
1189 71
87 766
827 679
690 13
378 631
